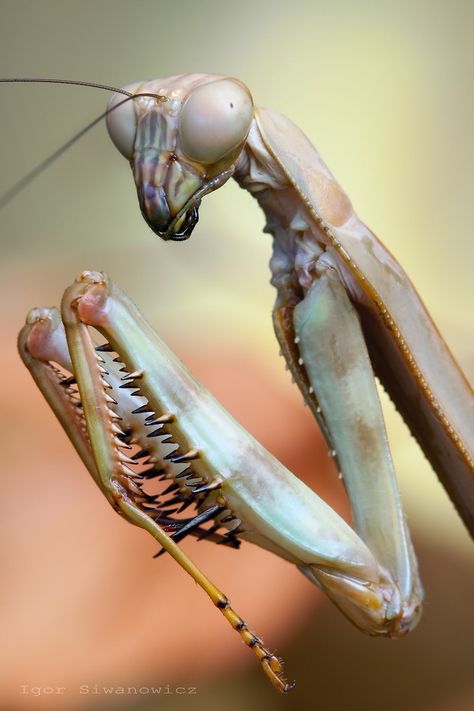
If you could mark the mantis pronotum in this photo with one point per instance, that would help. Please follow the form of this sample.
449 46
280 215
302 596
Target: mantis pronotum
344 309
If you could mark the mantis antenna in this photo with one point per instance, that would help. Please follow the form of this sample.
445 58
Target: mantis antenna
21 184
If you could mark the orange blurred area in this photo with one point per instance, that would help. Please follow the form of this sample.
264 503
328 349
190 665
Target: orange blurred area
385 92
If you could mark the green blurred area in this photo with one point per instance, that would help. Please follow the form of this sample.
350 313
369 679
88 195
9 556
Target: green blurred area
385 92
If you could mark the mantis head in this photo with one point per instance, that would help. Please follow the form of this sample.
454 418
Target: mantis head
182 143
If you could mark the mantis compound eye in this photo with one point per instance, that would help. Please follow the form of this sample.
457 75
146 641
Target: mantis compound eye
122 121
215 119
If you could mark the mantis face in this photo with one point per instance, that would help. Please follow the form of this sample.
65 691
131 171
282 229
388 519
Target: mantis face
181 145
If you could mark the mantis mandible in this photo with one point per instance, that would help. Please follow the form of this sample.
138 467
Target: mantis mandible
345 310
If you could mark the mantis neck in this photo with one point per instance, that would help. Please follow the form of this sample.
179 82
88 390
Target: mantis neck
298 242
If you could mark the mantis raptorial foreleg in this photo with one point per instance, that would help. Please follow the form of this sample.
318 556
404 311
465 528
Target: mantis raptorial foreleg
94 416
227 474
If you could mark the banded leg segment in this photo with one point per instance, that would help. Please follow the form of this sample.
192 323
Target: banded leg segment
271 665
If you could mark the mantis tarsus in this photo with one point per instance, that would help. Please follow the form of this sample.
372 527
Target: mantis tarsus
344 309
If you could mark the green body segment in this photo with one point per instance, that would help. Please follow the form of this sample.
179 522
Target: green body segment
336 361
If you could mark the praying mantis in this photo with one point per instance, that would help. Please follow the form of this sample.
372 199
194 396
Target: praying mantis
345 309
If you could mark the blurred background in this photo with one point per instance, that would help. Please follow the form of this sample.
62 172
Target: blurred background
385 92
